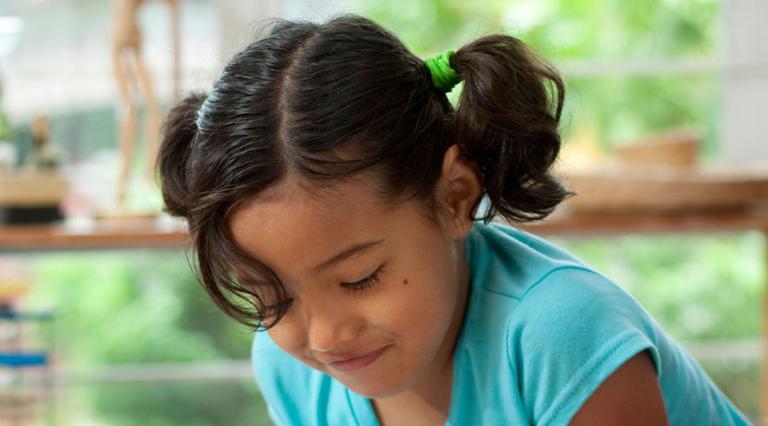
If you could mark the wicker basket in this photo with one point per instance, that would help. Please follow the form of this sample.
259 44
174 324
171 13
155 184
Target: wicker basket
672 148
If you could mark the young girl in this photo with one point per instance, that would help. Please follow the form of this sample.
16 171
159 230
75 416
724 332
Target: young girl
331 191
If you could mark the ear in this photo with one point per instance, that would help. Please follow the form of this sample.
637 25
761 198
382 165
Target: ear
459 189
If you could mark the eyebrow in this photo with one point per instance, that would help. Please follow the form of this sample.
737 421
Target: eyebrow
347 253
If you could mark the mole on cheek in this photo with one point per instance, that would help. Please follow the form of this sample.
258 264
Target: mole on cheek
405 282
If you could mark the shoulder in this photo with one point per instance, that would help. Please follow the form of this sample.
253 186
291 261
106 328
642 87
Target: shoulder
564 328
570 331
507 261
546 286
576 294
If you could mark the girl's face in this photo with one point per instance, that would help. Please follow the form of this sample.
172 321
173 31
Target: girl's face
378 291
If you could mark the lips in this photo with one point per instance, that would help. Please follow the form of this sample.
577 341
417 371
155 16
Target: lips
356 362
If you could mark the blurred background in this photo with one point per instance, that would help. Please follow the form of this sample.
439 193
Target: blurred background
127 336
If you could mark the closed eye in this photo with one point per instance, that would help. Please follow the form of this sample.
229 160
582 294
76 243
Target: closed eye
367 282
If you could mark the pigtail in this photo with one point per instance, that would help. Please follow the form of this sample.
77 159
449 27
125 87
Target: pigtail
506 122
179 132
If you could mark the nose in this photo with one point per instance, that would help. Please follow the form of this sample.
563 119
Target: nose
330 328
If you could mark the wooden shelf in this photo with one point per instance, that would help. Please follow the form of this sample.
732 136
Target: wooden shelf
167 233
572 222
96 234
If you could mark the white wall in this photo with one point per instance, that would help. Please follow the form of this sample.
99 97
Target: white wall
241 22
63 59
744 137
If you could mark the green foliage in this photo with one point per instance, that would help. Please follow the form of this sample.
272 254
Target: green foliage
620 109
136 307
5 128
560 29
205 403
610 109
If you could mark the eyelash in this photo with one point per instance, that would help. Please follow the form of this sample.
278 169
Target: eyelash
365 283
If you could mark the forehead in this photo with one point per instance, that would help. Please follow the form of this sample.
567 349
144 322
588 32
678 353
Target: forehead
295 227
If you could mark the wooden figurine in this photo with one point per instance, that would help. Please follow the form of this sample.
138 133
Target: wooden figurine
132 76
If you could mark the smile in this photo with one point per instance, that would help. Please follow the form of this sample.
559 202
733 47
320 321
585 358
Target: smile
358 361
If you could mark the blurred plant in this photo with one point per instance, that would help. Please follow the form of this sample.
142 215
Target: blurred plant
5 128
613 108
136 307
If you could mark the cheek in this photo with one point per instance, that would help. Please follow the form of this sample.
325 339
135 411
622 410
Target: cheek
289 336
422 305
427 305
431 279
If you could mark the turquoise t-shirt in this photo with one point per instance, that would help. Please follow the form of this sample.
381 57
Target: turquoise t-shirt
541 333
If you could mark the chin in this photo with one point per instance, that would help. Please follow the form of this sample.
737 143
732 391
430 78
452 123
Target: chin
374 389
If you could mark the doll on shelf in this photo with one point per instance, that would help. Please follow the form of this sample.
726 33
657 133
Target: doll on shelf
134 81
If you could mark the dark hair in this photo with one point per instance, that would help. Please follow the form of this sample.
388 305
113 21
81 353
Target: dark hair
326 101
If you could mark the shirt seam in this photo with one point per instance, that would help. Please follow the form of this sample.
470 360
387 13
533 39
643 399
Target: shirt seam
552 271
538 281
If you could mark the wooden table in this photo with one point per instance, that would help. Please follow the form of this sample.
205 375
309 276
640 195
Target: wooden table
165 233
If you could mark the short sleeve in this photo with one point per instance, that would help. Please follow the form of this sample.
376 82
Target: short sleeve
571 330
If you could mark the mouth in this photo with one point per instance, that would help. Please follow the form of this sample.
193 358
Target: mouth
357 362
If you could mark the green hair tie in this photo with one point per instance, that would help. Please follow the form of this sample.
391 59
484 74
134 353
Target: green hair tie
443 76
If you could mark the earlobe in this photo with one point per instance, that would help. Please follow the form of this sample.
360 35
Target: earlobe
460 190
